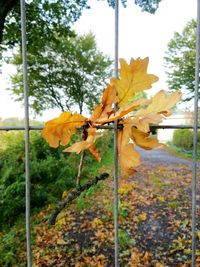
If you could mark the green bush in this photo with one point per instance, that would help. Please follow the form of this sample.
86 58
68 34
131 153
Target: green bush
51 172
183 138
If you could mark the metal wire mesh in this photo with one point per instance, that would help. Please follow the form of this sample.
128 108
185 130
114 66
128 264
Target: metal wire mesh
27 128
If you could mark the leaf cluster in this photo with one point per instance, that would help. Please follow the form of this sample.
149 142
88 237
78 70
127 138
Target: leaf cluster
133 117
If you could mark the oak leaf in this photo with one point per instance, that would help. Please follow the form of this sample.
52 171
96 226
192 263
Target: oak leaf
157 109
142 123
106 108
95 153
128 157
59 130
113 116
144 140
87 144
133 78
161 103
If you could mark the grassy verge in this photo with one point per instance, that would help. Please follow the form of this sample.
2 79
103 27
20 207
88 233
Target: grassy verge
180 152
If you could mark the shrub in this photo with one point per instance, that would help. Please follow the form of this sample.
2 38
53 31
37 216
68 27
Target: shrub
183 138
51 172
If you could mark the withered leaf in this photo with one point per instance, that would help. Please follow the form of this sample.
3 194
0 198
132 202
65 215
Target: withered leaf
59 130
128 157
133 78
87 144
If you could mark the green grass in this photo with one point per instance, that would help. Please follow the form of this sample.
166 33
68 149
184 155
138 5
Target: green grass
125 240
180 152
174 204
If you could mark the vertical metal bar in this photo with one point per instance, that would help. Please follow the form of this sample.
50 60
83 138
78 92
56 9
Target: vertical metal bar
26 111
115 139
194 169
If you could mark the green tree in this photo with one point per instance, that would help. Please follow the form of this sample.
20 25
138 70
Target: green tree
10 15
146 5
180 61
44 18
66 73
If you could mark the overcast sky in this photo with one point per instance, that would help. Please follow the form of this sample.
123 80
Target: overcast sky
140 34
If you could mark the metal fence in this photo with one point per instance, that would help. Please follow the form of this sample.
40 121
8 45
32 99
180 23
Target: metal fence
27 129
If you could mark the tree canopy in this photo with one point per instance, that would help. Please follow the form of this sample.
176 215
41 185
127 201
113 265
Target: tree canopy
146 5
180 60
44 18
9 10
66 73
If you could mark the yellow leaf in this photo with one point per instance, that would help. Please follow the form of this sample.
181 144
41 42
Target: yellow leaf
113 116
159 265
161 103
109 96
198 235
142 123
158 108
161 199
94 152
105 109
144 140
133 79
62 128
83 145
96 222
61 242
129 158
141 217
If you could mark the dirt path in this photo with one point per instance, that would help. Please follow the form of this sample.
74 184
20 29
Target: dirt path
164 157
154 221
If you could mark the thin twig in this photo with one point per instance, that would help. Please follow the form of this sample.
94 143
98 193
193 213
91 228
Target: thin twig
73 195
80 167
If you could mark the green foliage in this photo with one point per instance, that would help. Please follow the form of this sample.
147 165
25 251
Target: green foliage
123 210
125 239
44 19
49 172
10 244
13 121
180 60
146 5
183 138
68 72
64 70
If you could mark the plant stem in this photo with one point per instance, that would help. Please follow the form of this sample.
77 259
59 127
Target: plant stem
80 167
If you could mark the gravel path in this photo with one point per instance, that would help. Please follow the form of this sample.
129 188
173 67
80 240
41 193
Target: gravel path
164 157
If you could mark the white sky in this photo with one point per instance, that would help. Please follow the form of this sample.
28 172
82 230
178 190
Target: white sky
140 34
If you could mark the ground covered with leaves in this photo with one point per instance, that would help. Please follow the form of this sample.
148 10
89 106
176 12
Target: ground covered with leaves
154 219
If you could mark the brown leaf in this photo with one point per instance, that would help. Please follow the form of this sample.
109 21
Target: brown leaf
83 145
95 153
60 130
161 103
133 79
129 158
144 140
120 113
108 99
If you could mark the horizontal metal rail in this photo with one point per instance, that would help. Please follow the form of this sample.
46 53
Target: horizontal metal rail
152 127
